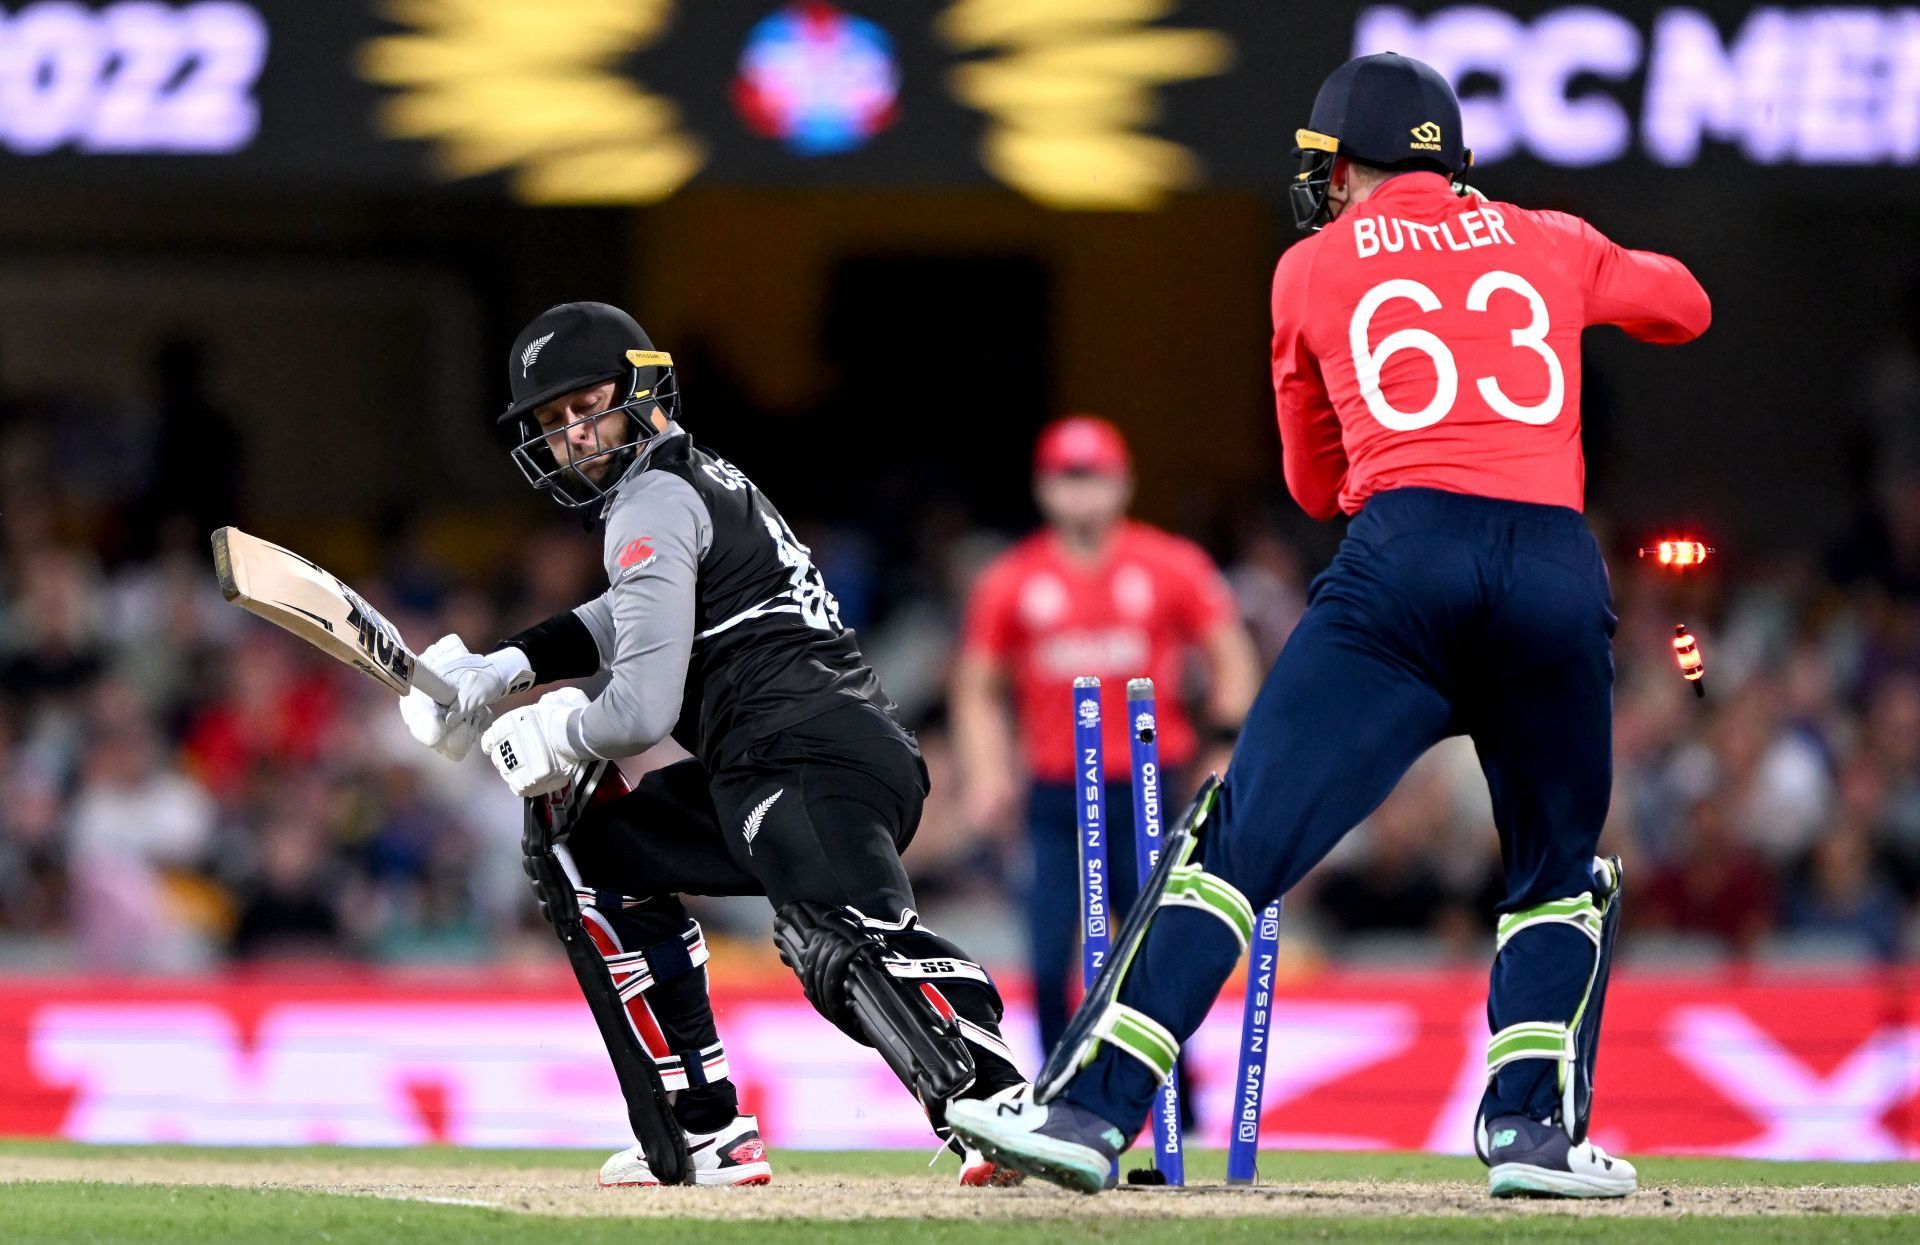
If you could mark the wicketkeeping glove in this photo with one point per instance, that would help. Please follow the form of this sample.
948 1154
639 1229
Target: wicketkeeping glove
529 746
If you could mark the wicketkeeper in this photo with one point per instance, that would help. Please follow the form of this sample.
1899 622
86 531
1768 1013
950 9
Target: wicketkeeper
1426 363
716 629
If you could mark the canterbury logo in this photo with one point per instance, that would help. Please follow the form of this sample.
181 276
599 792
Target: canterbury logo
532 352
1427 133
758 815
637 552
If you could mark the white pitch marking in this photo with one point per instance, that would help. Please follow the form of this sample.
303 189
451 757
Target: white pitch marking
441 1201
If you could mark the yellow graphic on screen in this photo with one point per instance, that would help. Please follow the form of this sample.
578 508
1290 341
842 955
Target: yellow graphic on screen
535 86
1070 89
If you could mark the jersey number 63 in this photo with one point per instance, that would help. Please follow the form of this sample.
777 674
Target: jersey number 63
1368 363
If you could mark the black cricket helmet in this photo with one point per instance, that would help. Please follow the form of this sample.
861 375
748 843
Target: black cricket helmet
1387 110
574 346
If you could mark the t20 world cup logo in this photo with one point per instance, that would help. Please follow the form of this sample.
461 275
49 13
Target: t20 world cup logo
817 79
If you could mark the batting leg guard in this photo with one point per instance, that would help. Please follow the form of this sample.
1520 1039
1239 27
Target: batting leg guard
1574 1044
1100 1017
637 972
1193 887
1133 1031
626 1024
920 960
881 998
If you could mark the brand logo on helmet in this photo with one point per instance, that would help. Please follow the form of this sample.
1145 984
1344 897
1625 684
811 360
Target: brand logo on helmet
1426 136
532 352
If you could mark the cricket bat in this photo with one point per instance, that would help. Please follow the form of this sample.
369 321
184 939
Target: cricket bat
291 592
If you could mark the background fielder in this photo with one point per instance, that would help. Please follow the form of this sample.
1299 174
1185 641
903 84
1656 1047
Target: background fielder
1426 367
1093 593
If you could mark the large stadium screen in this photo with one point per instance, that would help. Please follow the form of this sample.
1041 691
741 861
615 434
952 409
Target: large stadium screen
1073 103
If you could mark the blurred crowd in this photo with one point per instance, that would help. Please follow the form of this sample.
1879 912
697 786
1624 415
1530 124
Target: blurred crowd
1777 820
183 786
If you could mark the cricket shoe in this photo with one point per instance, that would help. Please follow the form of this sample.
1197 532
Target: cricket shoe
977 1171
1057 1141
734 1155
1526 1158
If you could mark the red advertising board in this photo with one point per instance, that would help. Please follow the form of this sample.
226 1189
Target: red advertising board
1774 1067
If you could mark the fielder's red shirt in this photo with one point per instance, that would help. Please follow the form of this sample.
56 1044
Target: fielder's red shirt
1425 339
1049 618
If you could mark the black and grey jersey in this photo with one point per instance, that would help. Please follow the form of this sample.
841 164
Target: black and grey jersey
716 626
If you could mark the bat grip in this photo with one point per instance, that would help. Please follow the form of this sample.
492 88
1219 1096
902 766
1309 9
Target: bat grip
433 685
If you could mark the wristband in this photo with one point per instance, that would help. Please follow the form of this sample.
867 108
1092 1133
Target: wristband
559 648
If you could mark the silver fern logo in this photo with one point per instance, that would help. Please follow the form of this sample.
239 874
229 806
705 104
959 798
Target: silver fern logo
759 814
532 352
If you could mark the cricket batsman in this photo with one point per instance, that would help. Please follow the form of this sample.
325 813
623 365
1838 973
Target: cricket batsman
1426 367
715 629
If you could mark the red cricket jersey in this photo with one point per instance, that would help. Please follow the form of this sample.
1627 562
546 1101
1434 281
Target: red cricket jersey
1425 339
1136 611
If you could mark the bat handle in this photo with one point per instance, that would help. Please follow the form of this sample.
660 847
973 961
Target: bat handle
433 685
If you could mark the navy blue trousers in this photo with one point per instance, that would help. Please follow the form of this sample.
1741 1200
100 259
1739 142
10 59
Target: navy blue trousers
1441 614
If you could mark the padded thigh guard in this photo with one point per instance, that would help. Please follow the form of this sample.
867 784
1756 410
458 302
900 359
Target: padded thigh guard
882 998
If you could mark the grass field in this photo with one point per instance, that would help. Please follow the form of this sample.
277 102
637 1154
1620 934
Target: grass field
51 1192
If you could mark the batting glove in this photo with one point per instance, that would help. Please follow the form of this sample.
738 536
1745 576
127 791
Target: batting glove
529 746
451 735
478 679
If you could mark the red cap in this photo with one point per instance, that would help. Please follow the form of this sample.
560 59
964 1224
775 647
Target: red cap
1081 443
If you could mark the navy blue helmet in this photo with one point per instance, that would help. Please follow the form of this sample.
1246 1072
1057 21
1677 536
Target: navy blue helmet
1386 110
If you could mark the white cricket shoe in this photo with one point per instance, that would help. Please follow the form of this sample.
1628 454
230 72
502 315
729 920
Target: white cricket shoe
735 1155
1527 1158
